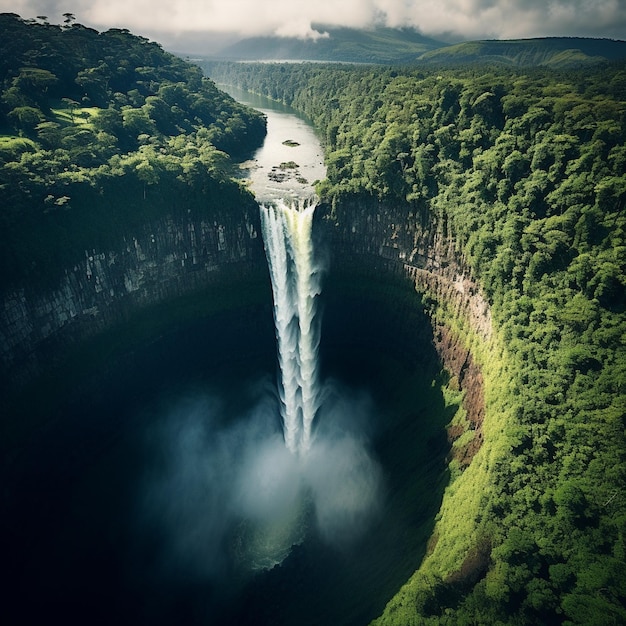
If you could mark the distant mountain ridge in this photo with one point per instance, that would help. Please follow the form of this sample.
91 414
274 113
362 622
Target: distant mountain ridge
349 45
546 51
406 46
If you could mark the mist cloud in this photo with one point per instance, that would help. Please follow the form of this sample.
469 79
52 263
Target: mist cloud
228 493
173 21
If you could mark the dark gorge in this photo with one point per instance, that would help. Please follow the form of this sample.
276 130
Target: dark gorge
179 328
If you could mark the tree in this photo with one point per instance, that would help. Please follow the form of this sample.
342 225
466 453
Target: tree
34 84
136 122
72 105
95 82
25 118
49 134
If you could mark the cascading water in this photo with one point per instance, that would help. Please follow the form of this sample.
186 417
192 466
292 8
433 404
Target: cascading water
295 284
318 472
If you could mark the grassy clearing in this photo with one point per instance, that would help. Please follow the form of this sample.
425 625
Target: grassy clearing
79 116
11 145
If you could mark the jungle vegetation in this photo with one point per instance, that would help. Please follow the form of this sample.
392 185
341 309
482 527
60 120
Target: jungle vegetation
102 130
526 170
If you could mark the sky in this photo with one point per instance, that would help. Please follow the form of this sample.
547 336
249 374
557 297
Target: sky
207 25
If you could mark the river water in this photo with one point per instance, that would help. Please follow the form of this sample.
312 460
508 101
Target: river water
290 160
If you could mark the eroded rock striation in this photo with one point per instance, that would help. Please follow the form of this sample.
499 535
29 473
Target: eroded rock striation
170 257
182 254
393 239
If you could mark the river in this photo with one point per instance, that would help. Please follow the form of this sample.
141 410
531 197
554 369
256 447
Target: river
291 158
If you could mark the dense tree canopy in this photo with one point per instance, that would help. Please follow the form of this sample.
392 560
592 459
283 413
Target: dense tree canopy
526 170
80 111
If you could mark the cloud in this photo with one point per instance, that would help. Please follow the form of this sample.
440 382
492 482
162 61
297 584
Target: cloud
452 19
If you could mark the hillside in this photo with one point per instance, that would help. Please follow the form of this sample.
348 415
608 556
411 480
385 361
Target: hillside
556 52
378 45
407 46
93 124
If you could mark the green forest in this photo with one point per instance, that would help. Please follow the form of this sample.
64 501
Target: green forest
102 130
526 170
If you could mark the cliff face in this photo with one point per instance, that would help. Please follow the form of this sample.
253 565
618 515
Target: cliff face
169 257
404 243
182 254
392 239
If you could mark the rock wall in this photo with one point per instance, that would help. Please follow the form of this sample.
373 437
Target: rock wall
182 254
395 240
172 256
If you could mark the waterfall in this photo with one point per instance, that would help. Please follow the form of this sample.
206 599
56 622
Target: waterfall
295 285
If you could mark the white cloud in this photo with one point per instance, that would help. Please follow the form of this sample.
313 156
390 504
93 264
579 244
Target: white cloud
459 19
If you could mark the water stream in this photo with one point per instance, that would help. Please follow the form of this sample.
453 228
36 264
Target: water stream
338 481
287 233
282 174
291 158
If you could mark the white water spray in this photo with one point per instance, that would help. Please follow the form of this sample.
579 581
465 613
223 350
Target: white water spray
295 284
